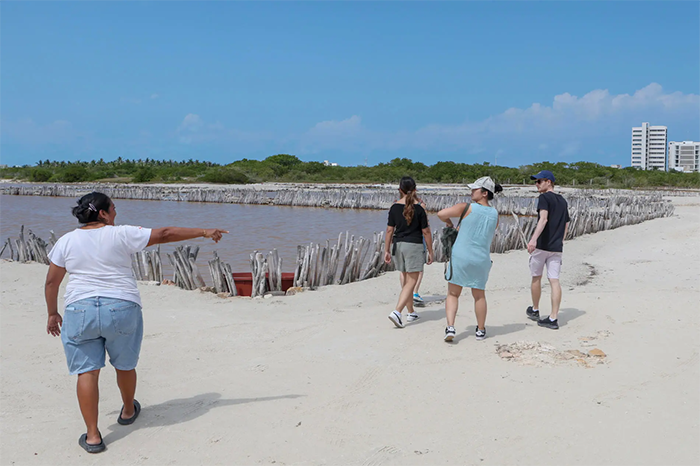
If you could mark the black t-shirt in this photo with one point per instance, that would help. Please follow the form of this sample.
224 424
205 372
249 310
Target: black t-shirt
552 237
402 231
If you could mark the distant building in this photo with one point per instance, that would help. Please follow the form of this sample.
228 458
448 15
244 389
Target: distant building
649 147
615 166
330 164
683 156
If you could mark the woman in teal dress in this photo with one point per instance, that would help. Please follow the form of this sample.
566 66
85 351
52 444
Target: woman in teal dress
471 258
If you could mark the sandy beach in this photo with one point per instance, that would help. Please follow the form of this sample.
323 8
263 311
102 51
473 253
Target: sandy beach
323 378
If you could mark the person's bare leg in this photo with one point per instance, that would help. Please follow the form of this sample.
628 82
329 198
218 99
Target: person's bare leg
480 307
417 287
409 305
556 297
406 296
88 389
452 303
126 380
536 291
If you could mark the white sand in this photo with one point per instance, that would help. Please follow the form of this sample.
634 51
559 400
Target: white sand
324 378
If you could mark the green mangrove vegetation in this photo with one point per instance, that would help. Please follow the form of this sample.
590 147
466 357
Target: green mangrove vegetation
289 168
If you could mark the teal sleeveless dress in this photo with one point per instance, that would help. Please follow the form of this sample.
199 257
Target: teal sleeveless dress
471 253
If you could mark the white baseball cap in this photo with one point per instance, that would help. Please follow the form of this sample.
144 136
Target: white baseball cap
484 182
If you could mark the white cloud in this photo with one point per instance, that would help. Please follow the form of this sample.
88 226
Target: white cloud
189 127
194 129
566 127
26 131
570 149
564 123
595 106
191 123
154 96
347 133
340 128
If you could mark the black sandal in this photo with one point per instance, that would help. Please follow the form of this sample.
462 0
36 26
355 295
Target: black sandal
90 447
126 422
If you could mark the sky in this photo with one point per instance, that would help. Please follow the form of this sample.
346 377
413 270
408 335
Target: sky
510 83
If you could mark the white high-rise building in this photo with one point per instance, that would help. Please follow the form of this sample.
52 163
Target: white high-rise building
684 156
649 147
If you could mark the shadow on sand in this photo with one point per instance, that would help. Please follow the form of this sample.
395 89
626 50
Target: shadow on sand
431 301
491 331
428 316
568 314
178 411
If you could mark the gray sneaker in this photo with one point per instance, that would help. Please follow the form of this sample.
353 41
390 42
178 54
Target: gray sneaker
532 314
547 323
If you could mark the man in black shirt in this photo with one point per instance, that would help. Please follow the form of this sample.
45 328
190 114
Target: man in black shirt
546 246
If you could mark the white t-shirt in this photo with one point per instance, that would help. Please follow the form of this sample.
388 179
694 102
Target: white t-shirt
99 261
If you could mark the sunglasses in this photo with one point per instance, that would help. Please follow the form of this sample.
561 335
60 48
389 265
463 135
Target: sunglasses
540 181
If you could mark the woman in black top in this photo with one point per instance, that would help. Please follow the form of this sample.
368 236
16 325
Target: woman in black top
407 227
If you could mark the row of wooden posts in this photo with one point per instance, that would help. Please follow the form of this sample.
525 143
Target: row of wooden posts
353 198
29 248
348 260
345 261
346 198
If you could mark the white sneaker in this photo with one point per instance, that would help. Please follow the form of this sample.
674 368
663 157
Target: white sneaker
450 333
395 317
480 334
412 317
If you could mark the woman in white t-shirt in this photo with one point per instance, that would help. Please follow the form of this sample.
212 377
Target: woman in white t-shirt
103 306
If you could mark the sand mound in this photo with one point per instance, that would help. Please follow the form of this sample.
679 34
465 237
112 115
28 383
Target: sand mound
533 353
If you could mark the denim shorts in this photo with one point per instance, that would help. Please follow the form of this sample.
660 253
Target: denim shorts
93 325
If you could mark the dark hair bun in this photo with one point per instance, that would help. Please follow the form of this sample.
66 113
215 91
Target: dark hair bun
83 213
498 188
89 207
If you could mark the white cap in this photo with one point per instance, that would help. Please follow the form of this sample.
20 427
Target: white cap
484 182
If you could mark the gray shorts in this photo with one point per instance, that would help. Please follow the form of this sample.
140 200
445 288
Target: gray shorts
540 258
409 257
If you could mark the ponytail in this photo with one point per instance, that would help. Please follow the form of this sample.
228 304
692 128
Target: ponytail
497 189
408 188
409 209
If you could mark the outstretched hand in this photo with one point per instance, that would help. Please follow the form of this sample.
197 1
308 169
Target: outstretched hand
53 326
214 233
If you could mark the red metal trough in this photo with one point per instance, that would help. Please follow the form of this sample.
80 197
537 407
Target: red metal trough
244 282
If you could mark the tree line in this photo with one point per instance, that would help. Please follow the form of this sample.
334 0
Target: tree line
288 168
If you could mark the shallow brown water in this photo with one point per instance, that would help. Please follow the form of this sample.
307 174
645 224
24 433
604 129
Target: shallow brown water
251 228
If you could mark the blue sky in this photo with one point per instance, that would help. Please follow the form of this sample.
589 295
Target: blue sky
505 82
